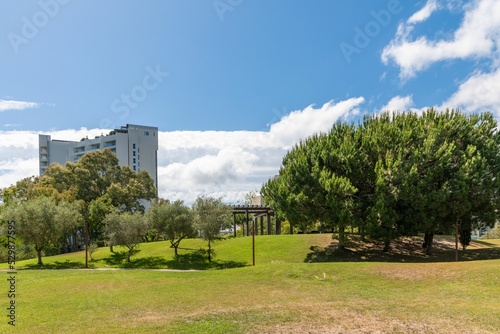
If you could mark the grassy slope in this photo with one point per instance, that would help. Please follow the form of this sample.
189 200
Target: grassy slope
232 252
280 295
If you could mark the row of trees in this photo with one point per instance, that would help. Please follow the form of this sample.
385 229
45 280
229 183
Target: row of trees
393 175
96 199
172 221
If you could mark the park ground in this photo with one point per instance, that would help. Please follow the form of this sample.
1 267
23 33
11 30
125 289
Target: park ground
300 284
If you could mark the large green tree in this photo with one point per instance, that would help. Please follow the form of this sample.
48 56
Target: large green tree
96 182
42 222
101 185
394 174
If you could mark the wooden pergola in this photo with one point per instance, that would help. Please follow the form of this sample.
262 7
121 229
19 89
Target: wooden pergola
258 211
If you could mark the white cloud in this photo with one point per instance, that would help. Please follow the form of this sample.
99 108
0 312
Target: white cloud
304 123
17 105
480 92
477 36
424 13
398 103
217 163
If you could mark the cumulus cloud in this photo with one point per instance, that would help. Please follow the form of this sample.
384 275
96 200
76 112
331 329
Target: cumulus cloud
479 93
225 164
303 123
17 105
477 37
398 103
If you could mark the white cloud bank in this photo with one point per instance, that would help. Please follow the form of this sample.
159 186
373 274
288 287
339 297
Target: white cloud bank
190 163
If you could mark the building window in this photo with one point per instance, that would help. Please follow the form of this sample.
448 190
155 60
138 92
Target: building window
133 153
133 146
146 133
134 167
134 161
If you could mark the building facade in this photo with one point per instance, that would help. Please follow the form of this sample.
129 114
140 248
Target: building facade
135 146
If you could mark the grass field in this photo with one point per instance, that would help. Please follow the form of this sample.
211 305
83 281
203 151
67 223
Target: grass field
281 294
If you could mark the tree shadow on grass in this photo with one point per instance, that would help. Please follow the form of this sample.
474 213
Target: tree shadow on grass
116 259
195 260
198 260
150 262
402 250
59 265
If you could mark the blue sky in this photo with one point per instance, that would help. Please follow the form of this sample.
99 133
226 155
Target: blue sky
232 84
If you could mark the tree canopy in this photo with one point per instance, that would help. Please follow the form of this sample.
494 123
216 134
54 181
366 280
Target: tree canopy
211 215
126 229
393 174
43 222
96 183
172 220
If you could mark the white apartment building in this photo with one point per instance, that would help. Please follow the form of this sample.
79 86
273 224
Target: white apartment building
135 146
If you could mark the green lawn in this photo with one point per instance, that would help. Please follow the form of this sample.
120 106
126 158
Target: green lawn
281 294
230 253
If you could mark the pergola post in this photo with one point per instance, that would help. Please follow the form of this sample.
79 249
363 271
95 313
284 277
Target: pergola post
261 225
268 220
247 234
234 224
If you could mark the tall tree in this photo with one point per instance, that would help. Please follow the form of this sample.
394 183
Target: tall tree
394 174
101 185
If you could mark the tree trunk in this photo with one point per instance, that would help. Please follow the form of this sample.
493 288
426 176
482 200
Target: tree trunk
427 245
387 245
74 246
175 250
209 252
39 254
111 248
341 238
129 254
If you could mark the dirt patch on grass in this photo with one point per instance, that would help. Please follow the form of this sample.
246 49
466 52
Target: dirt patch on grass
404 249
329 318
